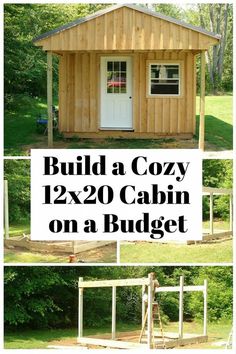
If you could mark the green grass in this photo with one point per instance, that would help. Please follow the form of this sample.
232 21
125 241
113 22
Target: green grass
30 257
176 253
217 224
19 229
21 256
219 121
20 124
41 339
20 129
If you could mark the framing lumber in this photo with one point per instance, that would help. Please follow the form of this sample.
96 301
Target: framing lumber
172 289
176 339
143 305
209 191
205 308
49 99
80 312
60 247
113 326
181 306
116 282
216 191
211 214
195 339
231 212
217 235
202 103
6 210
111 343
149 311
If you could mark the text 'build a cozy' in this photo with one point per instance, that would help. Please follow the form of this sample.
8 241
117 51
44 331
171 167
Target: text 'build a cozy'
127 72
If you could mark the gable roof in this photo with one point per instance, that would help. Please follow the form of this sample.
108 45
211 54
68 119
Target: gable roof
133 7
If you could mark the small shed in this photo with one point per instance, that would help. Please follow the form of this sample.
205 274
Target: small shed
127 71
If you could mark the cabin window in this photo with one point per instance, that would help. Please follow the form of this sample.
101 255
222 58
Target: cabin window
164 79
116 77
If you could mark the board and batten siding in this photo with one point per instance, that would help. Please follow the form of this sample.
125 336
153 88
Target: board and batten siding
79 95
127 29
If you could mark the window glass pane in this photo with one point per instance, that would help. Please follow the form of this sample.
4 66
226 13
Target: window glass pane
167 89
164 79
172 71
123 66
109 66
116 77
109 89
164 71
116 66
155 70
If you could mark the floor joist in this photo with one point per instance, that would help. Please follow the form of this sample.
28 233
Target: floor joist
110 343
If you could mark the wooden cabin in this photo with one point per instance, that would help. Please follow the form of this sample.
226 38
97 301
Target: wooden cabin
127 71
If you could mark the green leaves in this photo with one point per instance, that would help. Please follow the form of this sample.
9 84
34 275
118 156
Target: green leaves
40 297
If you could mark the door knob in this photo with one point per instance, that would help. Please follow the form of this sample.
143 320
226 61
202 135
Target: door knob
130 97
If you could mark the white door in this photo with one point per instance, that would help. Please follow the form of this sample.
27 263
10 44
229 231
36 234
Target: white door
116 93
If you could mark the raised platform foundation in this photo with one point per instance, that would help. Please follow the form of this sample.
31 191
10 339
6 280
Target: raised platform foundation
124 341
70 247
124 134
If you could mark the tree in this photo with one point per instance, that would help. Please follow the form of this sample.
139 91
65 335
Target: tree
217 18
25 65
17 173
47 297
217 174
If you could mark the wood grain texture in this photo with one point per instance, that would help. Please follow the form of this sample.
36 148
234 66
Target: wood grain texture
79 95
127 29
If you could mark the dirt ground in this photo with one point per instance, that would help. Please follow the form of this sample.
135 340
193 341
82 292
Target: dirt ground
132 337
100 143
97 255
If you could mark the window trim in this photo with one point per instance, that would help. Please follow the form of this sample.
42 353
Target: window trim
164 62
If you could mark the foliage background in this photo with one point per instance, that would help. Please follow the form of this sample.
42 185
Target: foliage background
25 65
216 173
47 297
17 173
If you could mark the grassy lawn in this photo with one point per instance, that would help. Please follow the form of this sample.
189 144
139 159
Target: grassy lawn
20 129
19 229
105 254
176 253
145 252
41 339
217 225
22 256
20 124
219 121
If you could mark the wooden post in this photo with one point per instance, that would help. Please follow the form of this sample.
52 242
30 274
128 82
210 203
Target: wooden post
211 214
149 309
6 209
80 312
49 99
231 212
202 103
205 308
181 305
143 305
113 327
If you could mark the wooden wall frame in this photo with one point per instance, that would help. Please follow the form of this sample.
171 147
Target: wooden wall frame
142 282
